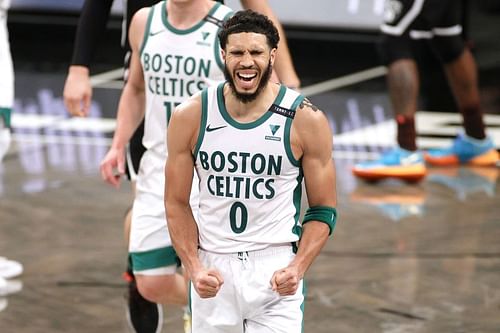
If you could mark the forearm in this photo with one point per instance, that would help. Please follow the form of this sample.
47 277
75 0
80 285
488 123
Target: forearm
91 26
314 237
184 234
129 116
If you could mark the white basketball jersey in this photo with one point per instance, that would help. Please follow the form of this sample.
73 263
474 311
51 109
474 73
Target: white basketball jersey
176 64
250 182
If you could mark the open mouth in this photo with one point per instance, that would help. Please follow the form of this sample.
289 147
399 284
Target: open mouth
246 79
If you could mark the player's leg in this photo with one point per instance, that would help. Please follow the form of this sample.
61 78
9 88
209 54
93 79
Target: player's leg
222 313
143 315
404 161
472 147
267 311
402 77
153 258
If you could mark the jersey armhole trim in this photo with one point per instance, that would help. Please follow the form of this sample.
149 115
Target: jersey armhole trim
288 146
203 122
146 30
288 129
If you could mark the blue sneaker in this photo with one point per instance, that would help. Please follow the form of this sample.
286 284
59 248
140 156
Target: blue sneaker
464 150
396 163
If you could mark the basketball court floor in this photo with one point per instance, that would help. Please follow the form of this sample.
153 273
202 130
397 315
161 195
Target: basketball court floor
404 257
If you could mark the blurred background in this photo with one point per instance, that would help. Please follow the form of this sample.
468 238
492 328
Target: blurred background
405 257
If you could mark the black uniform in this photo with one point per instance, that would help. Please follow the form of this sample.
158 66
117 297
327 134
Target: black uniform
438 21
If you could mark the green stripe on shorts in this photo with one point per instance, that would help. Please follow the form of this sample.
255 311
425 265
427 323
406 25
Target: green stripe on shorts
5 116
156 258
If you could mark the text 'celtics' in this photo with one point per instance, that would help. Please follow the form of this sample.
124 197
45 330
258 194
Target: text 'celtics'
259 183
160 67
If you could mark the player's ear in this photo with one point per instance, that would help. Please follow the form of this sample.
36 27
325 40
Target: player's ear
223 53
273 55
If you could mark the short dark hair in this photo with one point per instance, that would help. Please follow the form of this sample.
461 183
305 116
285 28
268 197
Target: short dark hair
249 21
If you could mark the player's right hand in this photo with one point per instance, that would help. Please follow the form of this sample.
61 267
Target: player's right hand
113 166
207 282
78 91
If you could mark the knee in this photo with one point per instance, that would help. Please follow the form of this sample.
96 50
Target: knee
162 289
146 289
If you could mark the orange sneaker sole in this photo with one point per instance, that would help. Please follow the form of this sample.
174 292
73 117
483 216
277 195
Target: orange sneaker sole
489 158
406 173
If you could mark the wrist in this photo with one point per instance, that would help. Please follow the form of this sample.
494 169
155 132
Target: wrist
79 70
299 265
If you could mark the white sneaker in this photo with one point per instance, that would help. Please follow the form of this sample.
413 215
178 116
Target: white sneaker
5 138
10 268
8 287
3 303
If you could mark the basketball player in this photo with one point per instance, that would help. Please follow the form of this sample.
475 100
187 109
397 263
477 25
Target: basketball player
174 55
437 21
252 142
77 97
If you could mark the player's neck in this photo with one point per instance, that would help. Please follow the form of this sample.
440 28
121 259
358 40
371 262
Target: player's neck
185 14
251 111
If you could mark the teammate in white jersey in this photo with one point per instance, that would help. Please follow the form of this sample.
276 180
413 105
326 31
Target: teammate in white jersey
175 54
252 142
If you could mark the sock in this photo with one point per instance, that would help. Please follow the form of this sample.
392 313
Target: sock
407 135
473 122
128 275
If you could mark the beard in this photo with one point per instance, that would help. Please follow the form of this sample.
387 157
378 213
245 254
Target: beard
249 97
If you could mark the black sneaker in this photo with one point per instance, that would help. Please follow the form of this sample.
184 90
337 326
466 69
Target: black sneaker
143 316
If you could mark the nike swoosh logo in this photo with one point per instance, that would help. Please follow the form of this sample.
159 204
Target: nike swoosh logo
151 33
210 129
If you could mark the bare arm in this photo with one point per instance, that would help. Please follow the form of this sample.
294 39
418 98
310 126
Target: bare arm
131 106
284 64
181 137
92 24
311 139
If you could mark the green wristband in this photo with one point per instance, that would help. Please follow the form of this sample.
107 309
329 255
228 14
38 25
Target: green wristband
322 214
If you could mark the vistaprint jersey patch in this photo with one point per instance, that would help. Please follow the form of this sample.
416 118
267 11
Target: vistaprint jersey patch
282 111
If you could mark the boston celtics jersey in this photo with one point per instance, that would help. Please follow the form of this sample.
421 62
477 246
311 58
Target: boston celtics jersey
250 182
177 64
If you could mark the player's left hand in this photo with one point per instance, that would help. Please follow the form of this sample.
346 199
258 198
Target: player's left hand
286 281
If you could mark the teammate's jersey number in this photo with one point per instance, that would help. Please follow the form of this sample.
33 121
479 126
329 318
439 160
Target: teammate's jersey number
238 217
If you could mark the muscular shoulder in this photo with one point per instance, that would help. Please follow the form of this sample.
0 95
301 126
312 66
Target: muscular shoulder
187 117
138 26
190 109
310 126
309 117
141 16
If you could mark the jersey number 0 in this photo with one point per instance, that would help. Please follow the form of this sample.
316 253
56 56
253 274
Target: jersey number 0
239 212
